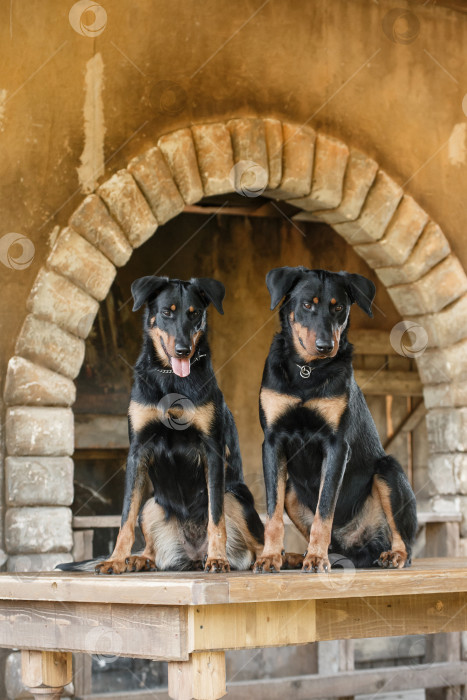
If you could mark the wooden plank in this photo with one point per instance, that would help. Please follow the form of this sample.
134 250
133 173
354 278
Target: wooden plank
426 516
191 588
144 631
357 618
94 522
311 687
101 432
371 342
396 383
249 625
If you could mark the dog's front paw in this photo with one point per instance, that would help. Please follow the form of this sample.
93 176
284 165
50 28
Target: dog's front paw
392 559
314 563
138 563
111 566
268 563
217 565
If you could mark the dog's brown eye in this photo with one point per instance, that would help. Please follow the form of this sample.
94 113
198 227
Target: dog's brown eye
166 312
307 305
338 308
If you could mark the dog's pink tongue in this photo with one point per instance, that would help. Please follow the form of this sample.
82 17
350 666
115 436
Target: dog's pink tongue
180 367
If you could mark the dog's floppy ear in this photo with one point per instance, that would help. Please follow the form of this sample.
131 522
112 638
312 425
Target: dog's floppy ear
212 290
144 288
361 290
280 281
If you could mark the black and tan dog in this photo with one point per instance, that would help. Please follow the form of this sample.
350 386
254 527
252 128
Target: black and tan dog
322 456
183 436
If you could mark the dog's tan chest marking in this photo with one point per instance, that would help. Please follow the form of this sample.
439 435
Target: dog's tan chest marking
275 405
200 417
330 409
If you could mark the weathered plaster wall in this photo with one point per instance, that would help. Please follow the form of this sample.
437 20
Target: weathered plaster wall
69 101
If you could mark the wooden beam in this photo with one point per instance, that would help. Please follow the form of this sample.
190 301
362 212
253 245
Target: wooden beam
202 677
311 687
371 342
247 625
409 423
140 631
93 431
95 522
384 382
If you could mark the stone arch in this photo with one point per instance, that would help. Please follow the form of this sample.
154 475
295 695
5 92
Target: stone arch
330 182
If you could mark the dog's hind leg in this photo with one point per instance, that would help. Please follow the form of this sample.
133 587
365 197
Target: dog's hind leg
398 503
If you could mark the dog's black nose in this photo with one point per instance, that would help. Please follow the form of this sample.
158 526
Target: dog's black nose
182 350
324 346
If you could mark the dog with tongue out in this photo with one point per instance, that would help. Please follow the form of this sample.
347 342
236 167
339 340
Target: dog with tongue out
184 440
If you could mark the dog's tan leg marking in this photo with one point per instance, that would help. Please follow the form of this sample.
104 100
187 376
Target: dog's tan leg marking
271 557
118 562
396 557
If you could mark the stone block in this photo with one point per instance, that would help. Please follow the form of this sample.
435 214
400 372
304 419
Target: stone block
37 530
298 150
39 481
445 395
39 430
179 152
432 292
54 298
429 250
331 156
128 206
447 429
93 221
274 143
446 327
441 474
75 258
443 365
359 177
399 238
29 563
380 204
155 180
215 157
29 384
47 344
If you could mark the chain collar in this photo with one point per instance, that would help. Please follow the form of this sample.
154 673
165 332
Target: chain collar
170 371
305 371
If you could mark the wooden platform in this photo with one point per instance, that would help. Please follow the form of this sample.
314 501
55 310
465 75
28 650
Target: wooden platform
190 619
